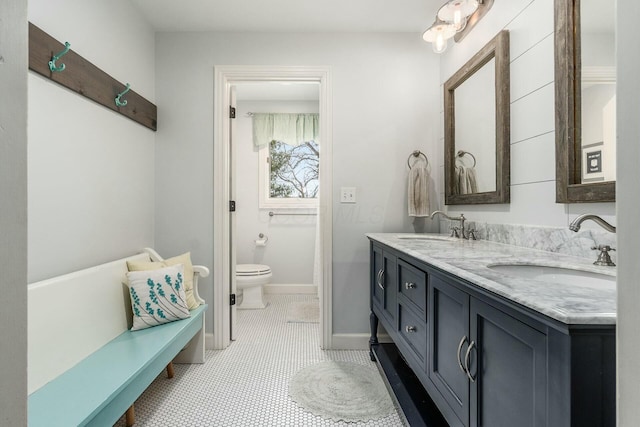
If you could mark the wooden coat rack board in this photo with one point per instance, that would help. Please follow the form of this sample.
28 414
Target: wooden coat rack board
83 77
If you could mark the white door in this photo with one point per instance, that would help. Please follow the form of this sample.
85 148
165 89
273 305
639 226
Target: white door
232 219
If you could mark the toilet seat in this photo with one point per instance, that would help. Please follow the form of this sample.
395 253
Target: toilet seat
252 270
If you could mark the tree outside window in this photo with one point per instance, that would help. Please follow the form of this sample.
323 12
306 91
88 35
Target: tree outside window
293 170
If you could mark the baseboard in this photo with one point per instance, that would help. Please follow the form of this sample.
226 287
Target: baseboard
274 288
338 341
355 341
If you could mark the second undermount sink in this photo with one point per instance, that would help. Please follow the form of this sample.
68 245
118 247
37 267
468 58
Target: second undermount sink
439 237
557 275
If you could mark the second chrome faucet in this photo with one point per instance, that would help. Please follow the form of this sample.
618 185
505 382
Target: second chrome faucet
603 257
459 232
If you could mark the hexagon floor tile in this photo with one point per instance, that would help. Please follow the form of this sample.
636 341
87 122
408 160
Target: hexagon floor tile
246 385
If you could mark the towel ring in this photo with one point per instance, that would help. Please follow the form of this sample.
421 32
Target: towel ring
417 153
461 153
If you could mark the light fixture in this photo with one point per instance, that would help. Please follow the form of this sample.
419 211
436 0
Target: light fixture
456 12
455 18
438 34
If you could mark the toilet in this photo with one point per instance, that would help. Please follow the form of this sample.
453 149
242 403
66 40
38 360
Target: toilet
250 279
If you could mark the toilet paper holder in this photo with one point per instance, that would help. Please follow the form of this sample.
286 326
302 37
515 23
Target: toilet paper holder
262 240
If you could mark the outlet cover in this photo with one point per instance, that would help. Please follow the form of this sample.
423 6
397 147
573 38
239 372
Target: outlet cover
348 195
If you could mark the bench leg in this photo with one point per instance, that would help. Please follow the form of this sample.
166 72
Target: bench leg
170 370
130 416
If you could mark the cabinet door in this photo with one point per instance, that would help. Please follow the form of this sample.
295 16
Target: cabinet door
448 338
509 365
384 292
377 268
390 285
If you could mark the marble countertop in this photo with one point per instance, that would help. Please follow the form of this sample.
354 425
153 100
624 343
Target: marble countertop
575 303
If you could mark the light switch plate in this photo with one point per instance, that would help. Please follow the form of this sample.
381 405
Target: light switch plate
348 195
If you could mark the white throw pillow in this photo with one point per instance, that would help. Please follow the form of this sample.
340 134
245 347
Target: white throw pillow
185 260
157 296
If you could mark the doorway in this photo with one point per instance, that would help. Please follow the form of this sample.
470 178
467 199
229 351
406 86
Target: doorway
226 79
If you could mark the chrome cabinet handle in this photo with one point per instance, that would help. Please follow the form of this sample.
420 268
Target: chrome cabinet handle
466 361
462 341
380 278
410 285
411 329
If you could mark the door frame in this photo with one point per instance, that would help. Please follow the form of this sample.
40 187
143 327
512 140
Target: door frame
224 77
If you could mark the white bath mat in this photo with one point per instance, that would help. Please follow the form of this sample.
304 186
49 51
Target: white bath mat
303 312
341 391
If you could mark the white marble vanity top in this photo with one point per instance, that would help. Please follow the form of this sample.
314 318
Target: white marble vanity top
575 303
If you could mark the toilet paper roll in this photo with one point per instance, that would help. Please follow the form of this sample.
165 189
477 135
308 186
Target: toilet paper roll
261 242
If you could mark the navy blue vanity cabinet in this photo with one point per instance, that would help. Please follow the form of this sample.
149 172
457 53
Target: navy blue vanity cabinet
481 359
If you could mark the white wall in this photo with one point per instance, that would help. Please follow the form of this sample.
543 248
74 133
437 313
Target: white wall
290 249
384 107
530 24
91 170
628 204
13 213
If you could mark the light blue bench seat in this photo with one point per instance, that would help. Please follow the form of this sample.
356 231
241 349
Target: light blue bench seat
99 389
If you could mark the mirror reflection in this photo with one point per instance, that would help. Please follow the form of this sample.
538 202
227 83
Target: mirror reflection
597 91
475 146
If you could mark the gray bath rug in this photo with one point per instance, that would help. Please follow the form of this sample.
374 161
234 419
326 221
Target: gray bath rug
341 391
303 312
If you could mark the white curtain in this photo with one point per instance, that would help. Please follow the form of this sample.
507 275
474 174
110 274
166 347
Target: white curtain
293 129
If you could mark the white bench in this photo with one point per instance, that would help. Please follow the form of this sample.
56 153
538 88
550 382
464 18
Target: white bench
84 365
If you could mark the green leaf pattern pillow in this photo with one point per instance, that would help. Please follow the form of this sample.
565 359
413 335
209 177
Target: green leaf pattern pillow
157 296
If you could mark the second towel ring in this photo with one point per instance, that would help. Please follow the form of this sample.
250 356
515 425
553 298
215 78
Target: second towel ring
417 153
461 153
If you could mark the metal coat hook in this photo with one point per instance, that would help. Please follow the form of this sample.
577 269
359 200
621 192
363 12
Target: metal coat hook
52 64
120 103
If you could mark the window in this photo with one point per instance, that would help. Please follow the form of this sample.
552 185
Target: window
289 175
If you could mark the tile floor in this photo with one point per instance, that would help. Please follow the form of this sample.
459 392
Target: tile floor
247 384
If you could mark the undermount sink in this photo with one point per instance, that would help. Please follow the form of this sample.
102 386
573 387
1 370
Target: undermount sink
439 237
557 275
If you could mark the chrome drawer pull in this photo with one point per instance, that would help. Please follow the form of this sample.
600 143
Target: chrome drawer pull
410 285
411 329
466 361
462 341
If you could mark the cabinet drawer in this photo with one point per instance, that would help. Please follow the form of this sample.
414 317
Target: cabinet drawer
413 330
413 284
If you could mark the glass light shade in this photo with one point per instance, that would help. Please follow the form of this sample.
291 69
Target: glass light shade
438 34
456 12
440 44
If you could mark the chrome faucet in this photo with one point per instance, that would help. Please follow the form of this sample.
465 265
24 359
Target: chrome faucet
603 257
460 233
576 223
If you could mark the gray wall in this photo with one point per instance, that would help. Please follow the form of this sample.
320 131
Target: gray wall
13 213
290 249
91 170
384 107
628 204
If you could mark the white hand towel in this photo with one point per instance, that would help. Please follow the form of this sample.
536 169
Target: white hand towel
418 191
466 181
472 180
